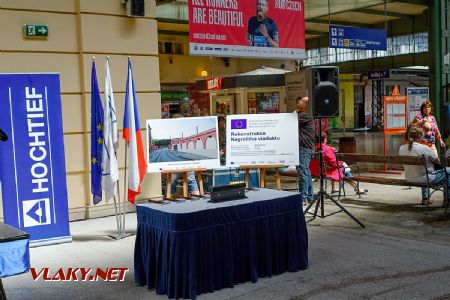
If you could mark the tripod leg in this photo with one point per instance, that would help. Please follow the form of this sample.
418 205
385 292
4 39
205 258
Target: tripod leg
346 211
309 205
319 202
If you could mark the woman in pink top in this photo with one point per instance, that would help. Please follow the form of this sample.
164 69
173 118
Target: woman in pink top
424 117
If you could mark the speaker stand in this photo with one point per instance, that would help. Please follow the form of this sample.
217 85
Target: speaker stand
322 194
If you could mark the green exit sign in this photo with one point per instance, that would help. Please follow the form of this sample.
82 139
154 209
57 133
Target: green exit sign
35 30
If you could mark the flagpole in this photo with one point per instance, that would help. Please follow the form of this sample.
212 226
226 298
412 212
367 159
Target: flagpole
118 221
120 210
125 189
125 198
110 168
117 216
135 155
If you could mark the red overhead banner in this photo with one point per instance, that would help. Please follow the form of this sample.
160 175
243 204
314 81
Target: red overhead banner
247 28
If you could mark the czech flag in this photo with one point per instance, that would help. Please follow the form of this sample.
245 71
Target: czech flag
132 134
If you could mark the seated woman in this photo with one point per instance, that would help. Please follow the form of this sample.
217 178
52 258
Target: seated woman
336 171
417 173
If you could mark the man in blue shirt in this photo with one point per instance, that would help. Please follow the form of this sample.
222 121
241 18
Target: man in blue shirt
262 30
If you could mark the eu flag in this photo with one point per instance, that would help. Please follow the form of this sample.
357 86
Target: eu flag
96 138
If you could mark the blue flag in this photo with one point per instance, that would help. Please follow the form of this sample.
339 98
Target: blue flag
96 138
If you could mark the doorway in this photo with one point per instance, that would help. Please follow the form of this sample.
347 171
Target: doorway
359 101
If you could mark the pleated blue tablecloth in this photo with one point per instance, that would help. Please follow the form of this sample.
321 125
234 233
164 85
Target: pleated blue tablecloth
14 251
194 247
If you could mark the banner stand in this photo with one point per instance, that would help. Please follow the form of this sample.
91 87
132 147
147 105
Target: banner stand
184 172
262 174
32 168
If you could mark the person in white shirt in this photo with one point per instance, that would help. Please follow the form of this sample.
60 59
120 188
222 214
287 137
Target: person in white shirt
417 173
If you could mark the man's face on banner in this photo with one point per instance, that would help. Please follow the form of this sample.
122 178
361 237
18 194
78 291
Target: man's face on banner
261 9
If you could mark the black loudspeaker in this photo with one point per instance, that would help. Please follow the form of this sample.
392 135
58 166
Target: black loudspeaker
136 8
323 91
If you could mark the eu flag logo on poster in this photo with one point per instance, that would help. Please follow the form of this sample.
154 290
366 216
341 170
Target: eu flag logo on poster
239 124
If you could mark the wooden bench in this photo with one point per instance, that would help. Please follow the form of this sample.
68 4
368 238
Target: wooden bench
283 173
262 174
353 158
292 173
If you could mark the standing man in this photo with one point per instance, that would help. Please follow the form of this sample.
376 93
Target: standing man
306 143
262 30
222 139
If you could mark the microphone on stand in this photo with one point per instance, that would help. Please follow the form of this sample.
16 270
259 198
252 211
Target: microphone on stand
3 136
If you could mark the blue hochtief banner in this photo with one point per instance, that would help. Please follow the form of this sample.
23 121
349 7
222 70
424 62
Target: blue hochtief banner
32 164
357 38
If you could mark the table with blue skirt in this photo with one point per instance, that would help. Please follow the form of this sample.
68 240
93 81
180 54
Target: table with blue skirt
14 253
194 247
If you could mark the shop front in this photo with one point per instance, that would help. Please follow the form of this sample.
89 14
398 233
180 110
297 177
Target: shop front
248 93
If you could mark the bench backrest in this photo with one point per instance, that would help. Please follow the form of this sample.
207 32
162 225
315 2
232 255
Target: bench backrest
388 159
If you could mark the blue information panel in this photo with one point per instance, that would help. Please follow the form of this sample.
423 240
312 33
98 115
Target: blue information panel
32 167
357 38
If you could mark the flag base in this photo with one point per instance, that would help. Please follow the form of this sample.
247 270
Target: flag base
119 236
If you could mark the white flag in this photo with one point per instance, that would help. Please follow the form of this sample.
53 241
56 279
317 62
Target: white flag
111 143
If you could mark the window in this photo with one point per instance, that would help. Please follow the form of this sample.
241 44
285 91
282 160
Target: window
179 49
170 48
397 45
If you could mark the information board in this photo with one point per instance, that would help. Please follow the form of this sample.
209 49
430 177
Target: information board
262 139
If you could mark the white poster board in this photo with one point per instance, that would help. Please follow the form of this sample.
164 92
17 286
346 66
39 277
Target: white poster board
262 139
416 96
185 143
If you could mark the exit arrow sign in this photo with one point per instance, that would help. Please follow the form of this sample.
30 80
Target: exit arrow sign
35 30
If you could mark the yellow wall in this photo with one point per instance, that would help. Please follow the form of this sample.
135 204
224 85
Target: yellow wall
78 30
346 84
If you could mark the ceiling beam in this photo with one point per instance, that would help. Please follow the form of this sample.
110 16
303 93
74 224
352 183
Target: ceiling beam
335 22
416 2
343 11
381 13
173 32
162 2
315 32
174 21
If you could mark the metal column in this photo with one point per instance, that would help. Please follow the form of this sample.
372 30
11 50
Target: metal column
377 103
445 27
438 39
